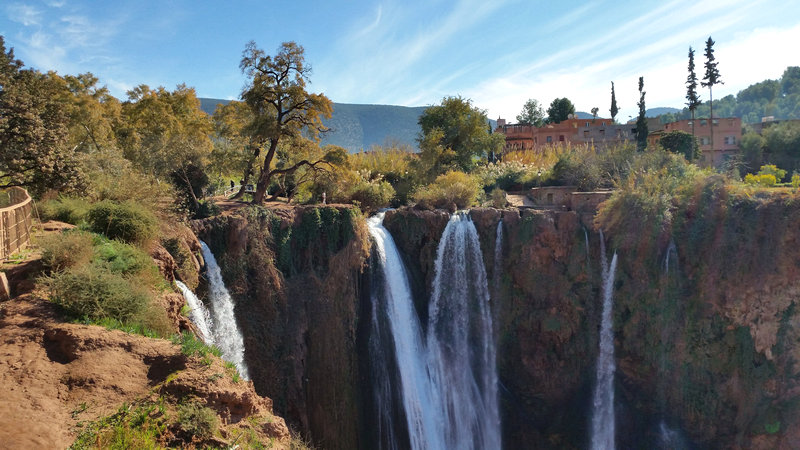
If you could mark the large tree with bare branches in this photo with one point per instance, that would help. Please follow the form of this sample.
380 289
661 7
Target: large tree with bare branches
282 108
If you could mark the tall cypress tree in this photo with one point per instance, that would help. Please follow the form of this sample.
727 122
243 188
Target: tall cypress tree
692 99
641 121
614 109
711 78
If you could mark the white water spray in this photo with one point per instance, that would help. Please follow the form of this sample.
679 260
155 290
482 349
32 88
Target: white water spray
603 421
498 258
422 409
461 349
227 336
198 313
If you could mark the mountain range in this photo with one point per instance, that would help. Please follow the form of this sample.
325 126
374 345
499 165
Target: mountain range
357 127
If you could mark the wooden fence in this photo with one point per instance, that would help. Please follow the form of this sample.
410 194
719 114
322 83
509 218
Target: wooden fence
15 221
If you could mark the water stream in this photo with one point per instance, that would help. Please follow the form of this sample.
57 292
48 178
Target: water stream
603 420
448 379
227 335
198 314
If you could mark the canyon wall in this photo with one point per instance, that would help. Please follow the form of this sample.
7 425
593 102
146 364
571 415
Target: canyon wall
705 315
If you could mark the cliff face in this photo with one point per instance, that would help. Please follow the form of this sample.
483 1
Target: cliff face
295 276
705 318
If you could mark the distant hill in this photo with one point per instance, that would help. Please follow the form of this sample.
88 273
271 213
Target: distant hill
356 126
655 112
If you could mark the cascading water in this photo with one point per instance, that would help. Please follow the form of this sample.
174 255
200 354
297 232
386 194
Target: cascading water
603 421
448 382
227 336
498 258
461 349
671 251
394 303
198 313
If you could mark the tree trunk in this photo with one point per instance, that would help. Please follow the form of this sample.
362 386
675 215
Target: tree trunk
185 179
266 174
247 172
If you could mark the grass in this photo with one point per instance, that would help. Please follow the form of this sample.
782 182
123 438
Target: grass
192 346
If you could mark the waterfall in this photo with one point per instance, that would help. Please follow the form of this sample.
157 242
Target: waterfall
395 303
498 258
671 250
227 336
198 313
603 424
461 350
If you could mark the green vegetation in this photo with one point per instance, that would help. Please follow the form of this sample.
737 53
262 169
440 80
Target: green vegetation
531 114
453 189
192 346
682 143
128 221
560 110
197 420
64 209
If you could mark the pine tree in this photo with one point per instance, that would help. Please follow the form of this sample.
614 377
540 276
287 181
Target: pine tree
641 121
692 99
614 109
711 78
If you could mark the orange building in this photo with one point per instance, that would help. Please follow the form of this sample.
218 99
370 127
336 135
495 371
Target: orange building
727 134
598 132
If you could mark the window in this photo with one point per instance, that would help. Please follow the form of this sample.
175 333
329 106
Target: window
587 124
619 133
586 134
703 122
705 141
730 140
560 138
602 132
549 139
536 139
716 122
549 198
688 123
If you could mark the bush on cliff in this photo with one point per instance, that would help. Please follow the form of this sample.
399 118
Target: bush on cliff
127 221
64 209
451 189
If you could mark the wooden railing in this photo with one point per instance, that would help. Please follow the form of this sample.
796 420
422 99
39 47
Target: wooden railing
15 221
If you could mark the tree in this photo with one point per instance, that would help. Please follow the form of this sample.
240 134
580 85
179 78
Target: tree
710 79
34 130
560 110
232 155
692 99
682 143
531 114
641 120
595 110
166 134
453 135
614 109
281 106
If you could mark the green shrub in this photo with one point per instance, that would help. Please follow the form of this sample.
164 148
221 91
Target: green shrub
796 181
127 221
197 420
65 250
452 188
64 209
499 198
372 195
96 293
121 258
191 346
207 208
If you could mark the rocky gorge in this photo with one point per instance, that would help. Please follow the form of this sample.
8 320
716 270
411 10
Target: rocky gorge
705 322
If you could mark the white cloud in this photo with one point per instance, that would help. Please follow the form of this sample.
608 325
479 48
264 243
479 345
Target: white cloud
27 15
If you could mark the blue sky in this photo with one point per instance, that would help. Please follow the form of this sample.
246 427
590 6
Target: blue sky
498 53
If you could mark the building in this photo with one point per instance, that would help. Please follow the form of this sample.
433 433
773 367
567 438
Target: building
727 134
598 132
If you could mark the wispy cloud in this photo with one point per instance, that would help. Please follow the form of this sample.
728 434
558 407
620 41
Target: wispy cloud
27 15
